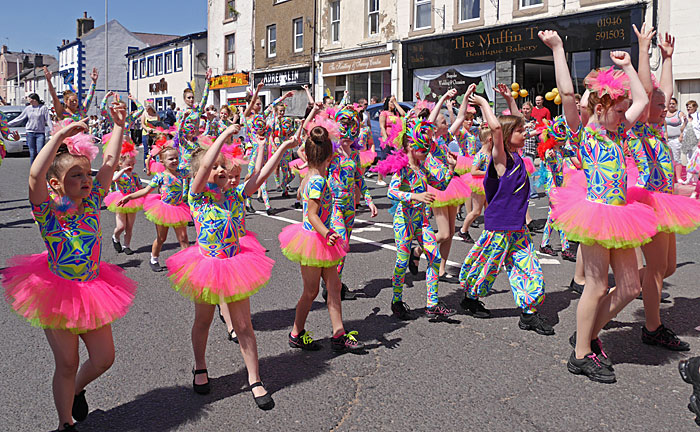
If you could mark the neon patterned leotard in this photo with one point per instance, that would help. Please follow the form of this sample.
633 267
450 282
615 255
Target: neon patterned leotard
218 223
317 188
127 183
171 187
652 156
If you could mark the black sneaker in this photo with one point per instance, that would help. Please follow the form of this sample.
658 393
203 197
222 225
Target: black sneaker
597 348
475 308
347 342
232 336
440 310
474 224
460 216
568 255
270 212
128 251
687 369
592 367
664 338
297 205
68 428
465 236
249 207
304 341
156 267
117 246
536 323
548 250
80 407
576 287
402 311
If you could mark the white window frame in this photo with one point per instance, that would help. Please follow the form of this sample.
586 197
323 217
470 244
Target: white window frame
168 65
227 65
335 21
522 6
295 35
134 70
175 55
372 14
151 66
271 42
461 6
143 71
416 5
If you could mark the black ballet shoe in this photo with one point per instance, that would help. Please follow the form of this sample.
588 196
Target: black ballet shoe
68 428
265 401
221 317
80 407
200 388
232 336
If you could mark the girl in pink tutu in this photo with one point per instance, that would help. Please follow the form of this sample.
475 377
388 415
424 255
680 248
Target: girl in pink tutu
675 214
475 181
317 248
467 141
125 182
607 225
67 290
219 267
168 210
389 128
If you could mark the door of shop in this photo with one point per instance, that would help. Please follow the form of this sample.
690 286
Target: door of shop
537 78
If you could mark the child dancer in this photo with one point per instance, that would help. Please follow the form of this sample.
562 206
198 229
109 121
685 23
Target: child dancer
219 267
413 170
67 290
125 182
317 248
169 209
475 181
5 134
607 225
505 240
71 108
675 214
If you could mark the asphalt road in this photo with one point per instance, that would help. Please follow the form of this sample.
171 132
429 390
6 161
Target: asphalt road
418 375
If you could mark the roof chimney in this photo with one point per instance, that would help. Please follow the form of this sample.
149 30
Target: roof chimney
4 50
85 24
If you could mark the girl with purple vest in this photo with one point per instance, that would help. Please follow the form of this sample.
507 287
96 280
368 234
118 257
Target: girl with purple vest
505 240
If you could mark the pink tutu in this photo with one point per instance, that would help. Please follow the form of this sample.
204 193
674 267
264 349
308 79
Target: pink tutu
209 280
632 171
674 213
367 158
295 164
464 164
475 183
164 214
455 194
156 167
611 226
132 206
52 302
309 248
575 178
529 165
250 241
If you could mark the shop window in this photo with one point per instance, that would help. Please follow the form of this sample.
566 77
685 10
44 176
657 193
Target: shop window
168 62
373 17
142 65
580 66
298 26
134 70
422 14
230 44
335 21
604 56
530 3
159 64
178 60
150 68
469 10
272 41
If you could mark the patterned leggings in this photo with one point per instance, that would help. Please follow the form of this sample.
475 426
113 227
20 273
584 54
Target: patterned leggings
342 221
263 188
285 173
409 223
547 233
514 251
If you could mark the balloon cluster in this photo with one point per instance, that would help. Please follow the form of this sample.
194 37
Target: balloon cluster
553 96
517 91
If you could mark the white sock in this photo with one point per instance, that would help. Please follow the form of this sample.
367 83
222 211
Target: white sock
114 239
154 260
124 245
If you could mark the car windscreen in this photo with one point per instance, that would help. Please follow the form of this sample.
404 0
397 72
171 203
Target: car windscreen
11 115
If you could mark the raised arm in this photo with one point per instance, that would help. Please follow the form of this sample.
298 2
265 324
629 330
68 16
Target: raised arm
563 77
398 106
309 96
498 152
345 100
504 91
249 108
133 115
640 100
209 159
199 109
438 106
57 105
38 191
644 38
457 124
110 158
259 177
91 92
667 46
269 109
312 114
104 106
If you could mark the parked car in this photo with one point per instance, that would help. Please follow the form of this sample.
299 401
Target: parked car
374 111
11 112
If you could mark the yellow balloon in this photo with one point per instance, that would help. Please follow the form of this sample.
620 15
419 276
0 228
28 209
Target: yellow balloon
515 94
549 96
555 91
557 100
523 93
515 87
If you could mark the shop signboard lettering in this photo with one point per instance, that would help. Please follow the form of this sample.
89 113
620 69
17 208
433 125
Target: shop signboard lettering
364 64
283 78
580 32
236 101
451 79
225 81
158 87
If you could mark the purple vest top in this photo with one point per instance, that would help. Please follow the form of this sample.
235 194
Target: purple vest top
507 196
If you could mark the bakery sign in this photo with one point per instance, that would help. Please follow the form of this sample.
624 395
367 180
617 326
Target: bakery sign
364 64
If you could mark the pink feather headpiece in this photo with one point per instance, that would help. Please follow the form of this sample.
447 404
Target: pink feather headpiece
205 140
128 149
391 164
471 109
233 153
424 104
614 83
329 125
81 144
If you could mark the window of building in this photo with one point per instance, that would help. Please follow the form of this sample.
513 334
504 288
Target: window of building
373 17
159 104
298 26
159 64
168 62
134 70
272 41
131 49
231 12
230 44
335 21
166 102
150 62
178 60
422 14
142 64
469 10
530 3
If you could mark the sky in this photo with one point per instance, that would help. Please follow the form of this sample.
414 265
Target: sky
54 20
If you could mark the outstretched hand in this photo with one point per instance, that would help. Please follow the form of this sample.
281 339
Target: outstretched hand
621 58
118 111
47 74
645 36
550 38
94 75
667 46
503 90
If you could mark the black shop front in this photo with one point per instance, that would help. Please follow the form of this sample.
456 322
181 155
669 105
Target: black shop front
514 54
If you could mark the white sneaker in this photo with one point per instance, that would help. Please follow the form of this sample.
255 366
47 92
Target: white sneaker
381 183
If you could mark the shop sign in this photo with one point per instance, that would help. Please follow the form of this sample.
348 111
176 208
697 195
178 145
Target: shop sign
157 87
225 81
364 64
283 78
450 80
608 29
236 101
